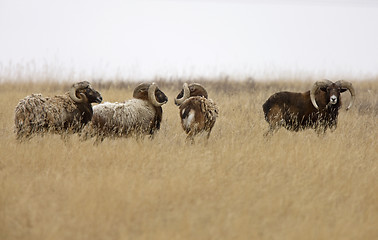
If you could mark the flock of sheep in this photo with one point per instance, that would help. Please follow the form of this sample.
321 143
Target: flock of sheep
142 115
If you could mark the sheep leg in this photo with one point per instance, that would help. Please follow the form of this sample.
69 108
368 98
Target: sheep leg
190 137
99 139
273 127
275 120
65 137
321 130
208 133
270 131
24 134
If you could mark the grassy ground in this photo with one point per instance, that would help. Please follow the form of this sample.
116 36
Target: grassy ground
238 185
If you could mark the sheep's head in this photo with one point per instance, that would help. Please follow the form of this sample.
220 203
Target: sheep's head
332 91
83 92
191 90
150 92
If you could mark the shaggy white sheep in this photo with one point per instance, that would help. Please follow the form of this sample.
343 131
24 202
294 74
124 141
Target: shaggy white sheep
139 116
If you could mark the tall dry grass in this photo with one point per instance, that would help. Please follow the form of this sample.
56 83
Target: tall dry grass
238 185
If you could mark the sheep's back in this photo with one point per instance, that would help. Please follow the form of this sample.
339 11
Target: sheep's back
211 112
208 110
36 111
121 118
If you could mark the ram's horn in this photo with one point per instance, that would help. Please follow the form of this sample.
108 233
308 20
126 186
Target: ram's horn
152 97
315 87
348 85
73 92
186 95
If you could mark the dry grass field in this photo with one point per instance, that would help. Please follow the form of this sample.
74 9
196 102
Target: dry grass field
238 185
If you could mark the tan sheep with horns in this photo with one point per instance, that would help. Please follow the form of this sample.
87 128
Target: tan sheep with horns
67 113
197 113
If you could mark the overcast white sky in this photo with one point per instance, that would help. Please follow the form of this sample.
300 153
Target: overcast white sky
142 39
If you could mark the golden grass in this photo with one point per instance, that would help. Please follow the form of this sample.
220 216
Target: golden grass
239 185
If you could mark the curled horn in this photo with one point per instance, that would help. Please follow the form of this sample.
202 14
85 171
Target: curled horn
75 88
348 85
315 87
152 97
185 95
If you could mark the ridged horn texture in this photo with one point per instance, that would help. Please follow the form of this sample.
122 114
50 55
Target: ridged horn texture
75 88
185 96
347 85
152 97
315 87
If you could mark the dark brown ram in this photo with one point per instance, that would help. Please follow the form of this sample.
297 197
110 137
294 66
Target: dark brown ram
317 108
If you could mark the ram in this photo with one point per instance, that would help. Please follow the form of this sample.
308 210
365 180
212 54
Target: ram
138 117
198 113
317 108
66 113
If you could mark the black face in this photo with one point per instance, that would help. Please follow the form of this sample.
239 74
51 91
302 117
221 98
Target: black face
180 95
333 93
92 95
160 96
